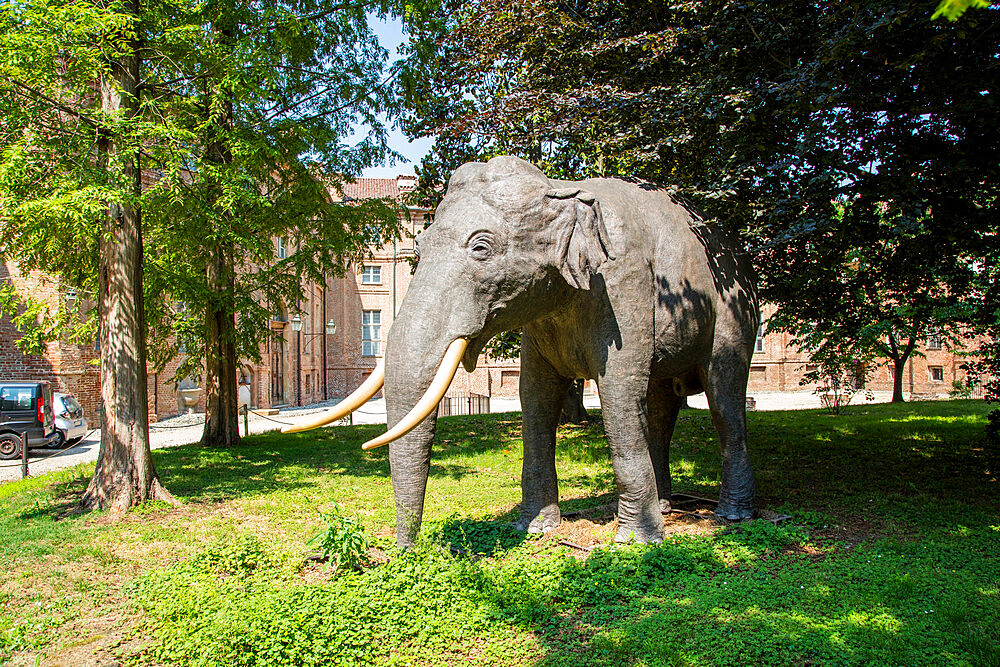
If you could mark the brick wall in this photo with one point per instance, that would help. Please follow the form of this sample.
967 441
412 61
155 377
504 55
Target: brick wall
68 367
779 366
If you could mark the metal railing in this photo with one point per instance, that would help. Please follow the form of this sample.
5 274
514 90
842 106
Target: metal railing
464 404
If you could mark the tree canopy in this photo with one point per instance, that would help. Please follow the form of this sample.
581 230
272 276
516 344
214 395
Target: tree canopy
151 151
851 144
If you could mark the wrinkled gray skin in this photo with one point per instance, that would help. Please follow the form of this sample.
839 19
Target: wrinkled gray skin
610 280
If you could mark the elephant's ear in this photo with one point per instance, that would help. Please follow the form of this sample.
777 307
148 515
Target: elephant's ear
582 240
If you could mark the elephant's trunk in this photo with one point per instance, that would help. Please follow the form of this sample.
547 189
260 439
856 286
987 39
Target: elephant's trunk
430 399
422 352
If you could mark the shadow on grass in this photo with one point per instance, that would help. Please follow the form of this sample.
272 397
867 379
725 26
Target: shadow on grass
65 502
756 596
271 461
803 458
936 450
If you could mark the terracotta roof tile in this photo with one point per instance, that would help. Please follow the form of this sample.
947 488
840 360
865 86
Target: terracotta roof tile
379 188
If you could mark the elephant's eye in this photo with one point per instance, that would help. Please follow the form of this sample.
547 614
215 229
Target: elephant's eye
481 246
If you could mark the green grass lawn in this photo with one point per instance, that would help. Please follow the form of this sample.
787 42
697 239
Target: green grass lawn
892 557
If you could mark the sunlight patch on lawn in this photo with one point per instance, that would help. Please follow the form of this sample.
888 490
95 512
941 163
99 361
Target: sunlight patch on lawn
874 621
946 419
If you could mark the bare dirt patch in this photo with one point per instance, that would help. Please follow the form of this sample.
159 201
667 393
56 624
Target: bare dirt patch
91 641
588 528
853 529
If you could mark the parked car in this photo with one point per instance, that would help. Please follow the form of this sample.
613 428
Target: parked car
25 406
71 425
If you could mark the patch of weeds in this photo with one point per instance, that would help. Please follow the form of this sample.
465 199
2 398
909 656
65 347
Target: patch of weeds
746 542
243 557
31 632
342 542
417 606
807 517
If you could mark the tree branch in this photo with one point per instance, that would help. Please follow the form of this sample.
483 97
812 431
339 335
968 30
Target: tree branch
61 107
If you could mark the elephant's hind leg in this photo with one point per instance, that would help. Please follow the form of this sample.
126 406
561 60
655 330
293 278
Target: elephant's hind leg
662 405
726 387
542 392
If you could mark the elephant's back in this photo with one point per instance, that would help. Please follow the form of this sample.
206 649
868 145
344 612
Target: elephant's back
697 268
647 218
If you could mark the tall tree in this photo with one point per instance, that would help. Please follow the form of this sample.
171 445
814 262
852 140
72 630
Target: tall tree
267 94
70 197
242 137
124 475
892 291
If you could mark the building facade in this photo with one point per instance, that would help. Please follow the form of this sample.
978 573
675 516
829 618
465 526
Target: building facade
301 363
778 365
364 304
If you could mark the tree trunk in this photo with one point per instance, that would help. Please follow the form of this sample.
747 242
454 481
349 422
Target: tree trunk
124 475
573 411
222 424
898 366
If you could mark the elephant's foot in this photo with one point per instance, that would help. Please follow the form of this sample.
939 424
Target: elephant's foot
736 493
734 512
543 521
645 526
647 535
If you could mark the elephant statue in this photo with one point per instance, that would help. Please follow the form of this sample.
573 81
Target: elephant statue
608 279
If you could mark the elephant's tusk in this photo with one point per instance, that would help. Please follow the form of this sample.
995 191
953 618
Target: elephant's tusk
428 402
357 398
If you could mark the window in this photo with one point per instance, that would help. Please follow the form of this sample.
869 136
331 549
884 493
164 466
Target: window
371 275
428 219
18 398
371 333
937 373
934 340
758 345
281 251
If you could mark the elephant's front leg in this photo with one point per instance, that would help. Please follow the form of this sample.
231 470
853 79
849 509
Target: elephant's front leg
623 402
542 391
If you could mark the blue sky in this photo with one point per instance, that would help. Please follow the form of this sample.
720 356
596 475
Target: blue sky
390 34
